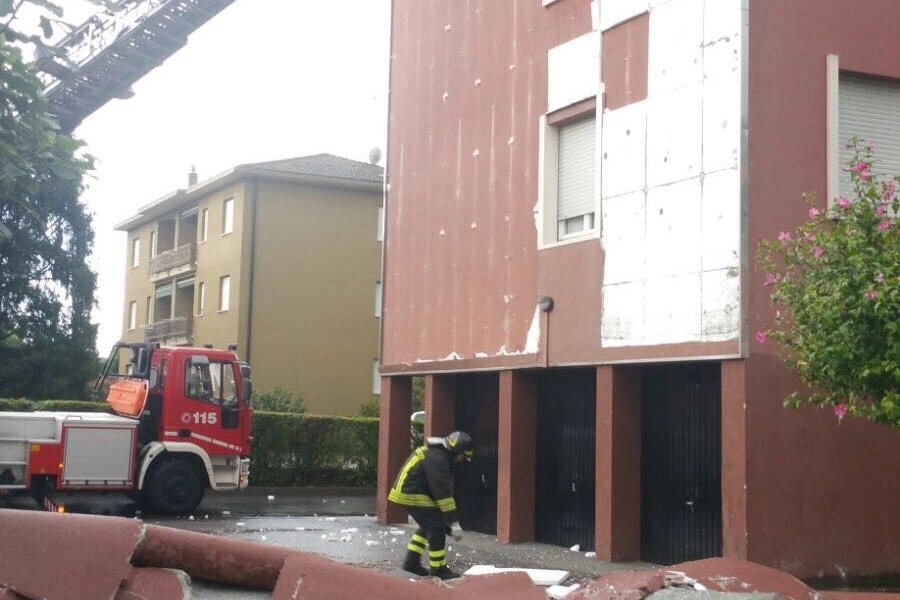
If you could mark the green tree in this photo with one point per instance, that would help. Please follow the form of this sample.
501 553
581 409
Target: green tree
46 287
835 282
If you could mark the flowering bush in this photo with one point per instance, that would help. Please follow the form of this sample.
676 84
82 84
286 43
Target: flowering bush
835 284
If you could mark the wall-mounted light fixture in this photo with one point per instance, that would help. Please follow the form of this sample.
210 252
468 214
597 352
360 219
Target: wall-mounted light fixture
545 303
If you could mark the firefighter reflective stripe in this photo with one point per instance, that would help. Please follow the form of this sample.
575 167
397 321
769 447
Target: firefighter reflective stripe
417 544
446 504
437 558
422 475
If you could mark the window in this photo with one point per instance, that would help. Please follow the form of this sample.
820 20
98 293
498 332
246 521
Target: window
377 299
228 216
204 224
575 193
201 300
224 293
149 309
151 251
376 377
865 107
135 252
198 382
568 190
132 315
379 235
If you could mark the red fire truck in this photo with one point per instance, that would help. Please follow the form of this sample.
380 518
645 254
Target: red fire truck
179 423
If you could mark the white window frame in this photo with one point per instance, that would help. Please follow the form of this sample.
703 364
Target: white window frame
152 250
378 291
224 293
376 377
149 309
204 224
834 143
135 252
379 235
201 299
132 315
228 216
547 209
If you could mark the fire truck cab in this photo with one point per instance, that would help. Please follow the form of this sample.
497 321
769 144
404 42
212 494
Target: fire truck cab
181 425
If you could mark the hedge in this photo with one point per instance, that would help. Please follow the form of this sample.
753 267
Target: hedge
288 449
313 450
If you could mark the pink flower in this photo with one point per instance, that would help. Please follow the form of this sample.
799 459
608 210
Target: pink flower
813 212
889 189
881 210
862 167
818 251
784 236
809 237
771 278
871 294
879 278
761 337
844 202
840 410
870 145
884 224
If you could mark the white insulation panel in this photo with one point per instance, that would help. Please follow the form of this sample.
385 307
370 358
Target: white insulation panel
624 154
670 180
624 219
573 71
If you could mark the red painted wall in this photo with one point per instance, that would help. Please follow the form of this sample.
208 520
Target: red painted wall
461 274
821 495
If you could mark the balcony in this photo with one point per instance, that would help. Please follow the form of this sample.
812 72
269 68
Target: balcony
172 332
173 262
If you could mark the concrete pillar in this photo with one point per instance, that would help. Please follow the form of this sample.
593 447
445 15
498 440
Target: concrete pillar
734 460
440 405
617 534
516 456
393 443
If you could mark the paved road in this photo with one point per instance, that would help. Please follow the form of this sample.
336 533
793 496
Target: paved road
339 524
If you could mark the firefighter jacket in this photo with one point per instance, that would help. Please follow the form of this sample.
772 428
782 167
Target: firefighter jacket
425 481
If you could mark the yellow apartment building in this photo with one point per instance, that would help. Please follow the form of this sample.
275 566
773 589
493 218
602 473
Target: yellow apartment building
282 258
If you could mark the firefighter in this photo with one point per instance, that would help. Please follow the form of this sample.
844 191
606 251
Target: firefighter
424 489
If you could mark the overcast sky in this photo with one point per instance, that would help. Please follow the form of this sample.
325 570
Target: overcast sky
263 80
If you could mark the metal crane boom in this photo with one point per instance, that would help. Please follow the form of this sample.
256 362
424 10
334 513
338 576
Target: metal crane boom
102 58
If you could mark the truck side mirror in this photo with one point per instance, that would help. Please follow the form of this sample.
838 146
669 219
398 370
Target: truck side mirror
246 384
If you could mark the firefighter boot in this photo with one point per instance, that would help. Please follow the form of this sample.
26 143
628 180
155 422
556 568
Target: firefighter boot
413 564
444 573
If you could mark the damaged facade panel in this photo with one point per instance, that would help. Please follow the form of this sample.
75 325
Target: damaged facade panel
582 224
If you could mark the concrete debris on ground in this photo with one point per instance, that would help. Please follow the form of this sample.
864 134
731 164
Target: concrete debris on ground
56 556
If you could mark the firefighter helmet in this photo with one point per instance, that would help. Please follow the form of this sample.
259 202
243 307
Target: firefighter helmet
460 442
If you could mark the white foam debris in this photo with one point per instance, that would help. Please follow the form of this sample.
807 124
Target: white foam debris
590 555
544 577
270 497
373 543
299 528
262 537
226 513
351 530
558 592
191 518
239 524
331 518
576 548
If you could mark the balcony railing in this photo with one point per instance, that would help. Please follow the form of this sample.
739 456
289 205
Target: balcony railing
169 330
172 262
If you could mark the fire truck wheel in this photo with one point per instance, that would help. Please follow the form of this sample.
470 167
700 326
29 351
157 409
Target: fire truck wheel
174 488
